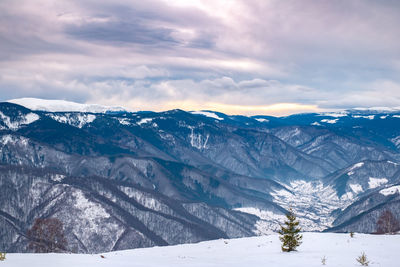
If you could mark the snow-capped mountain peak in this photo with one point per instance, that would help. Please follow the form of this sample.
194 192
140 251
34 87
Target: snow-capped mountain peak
63 106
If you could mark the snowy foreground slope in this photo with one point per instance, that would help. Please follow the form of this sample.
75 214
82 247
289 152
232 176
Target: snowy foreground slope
339 250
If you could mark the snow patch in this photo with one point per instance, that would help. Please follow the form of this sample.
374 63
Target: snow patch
268 222
348 196
369 117
330 121
91 212
376 182
316 124
166 136
396 140
145 199
283 193
31 117
396 116
63 106
123 121
334 114
74 119
11 139
262 120
356 166
378 109
390 190
144 121
57 177
207 114
356 188
19 121
197 140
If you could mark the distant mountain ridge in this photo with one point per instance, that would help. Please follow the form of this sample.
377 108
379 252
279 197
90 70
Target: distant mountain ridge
55 105
138 179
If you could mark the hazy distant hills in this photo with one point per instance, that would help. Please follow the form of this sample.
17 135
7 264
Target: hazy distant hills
119 179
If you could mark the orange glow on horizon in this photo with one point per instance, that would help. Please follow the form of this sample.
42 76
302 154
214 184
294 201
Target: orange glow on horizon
278 109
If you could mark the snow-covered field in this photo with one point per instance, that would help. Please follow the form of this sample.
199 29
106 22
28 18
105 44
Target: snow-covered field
338 249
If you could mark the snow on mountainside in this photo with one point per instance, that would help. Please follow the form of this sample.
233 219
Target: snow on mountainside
339 250
357 112
375 109
15 123
363 176
62 106
207 114
376 182
74 119
390 191
315 217
318 215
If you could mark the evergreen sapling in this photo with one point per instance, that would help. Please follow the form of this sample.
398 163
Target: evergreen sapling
363 259
289 232
323 260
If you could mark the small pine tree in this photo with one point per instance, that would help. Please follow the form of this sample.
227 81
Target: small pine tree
289 232
323 260
351 234
363 259
2 256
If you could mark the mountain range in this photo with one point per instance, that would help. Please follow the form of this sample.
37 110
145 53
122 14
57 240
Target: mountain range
119 179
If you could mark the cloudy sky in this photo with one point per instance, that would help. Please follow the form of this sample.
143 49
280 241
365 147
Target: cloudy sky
239 57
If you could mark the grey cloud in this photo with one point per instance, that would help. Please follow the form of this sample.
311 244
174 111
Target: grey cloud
20 36
329 41
132 32
140 22
380 93
326 53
